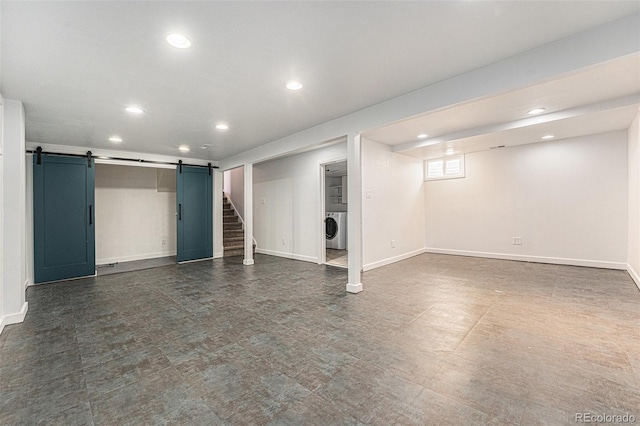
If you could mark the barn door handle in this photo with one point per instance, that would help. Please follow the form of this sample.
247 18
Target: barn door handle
179 211
90 214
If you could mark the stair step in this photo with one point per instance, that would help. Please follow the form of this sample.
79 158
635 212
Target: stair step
233 234
235 252
232 226
233 247
229 234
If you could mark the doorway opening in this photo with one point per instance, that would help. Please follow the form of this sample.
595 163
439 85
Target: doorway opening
335 213
135 217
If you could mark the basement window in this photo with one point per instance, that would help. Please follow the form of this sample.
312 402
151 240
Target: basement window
444 168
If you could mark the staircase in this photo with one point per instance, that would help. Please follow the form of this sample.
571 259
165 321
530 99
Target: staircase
233 234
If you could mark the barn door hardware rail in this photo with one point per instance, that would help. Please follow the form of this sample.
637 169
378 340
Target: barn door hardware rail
89 156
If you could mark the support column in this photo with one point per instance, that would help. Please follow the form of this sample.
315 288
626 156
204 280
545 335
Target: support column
14 305
354 218
248 214
218 246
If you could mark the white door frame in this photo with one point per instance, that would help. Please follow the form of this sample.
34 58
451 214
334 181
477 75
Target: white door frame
322 246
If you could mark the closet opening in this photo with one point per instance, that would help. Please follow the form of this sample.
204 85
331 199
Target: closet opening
135 217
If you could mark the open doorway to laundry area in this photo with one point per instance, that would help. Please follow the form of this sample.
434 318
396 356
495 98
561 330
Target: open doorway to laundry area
135 217
335 212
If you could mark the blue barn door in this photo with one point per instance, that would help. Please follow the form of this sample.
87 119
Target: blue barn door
63 221
195 213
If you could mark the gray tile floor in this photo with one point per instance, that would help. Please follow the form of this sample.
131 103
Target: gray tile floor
432 340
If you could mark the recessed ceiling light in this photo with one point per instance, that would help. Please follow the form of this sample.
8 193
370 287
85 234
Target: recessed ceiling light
546 137
115 139
178 40
422 135
294 85
450 151
222 126
134 109
183 148
536 111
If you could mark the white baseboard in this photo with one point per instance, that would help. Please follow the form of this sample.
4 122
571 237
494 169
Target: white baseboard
248 262
288 255
218 255
14 318
390 260
354 288
536 259
135 257
195 260
634 275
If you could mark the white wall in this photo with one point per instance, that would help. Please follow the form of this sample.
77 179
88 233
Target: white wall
634 200
132 217
392 205
13 213
234 187
29 249
1 204
287 203
566 199
218 187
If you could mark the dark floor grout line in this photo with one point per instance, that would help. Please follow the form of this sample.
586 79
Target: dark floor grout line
474 327
421 314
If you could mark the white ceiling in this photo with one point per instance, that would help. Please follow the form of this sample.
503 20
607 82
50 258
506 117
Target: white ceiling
594 100
76 65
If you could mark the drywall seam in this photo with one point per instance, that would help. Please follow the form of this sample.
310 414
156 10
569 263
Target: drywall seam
288 255
536 259
390 260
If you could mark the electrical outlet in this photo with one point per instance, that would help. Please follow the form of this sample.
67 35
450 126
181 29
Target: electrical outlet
263 201
393 243
517 241
368 194
164 241
284 241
